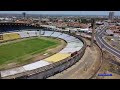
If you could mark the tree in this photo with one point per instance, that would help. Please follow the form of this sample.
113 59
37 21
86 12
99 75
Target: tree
85 21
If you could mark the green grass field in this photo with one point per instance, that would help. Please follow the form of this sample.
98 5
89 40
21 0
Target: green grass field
22 50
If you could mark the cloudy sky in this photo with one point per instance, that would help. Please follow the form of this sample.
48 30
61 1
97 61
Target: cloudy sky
63 12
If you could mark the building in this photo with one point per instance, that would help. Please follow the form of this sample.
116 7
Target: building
111 15
109 33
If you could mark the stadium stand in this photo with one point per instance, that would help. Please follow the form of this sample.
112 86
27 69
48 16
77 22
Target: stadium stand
70 50
70 38
63 36
37 33
42 32
6 37
48 33
56 34
32 33
73 40
25 68
12 71
73 45
1 38
14 36
23 34
36 65
10 36
57 57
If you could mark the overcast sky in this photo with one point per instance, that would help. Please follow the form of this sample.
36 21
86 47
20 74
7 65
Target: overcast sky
63 12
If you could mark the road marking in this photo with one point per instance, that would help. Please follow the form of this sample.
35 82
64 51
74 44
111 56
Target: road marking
101 32
108 47
104 44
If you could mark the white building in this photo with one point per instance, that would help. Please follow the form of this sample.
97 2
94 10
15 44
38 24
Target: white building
83 29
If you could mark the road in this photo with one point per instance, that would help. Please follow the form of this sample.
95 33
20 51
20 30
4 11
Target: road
103 44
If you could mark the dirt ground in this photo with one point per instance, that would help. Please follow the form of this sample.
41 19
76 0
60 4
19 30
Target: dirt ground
111 65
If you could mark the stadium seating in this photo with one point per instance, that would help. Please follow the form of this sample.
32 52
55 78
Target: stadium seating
6 37
1 40
48 33
12 71
10 36
40 32
37 33
56 34
23 34
69 38
73 40
14 36
32 33
57 57
70 50
36 65
24 68
73 45
63 36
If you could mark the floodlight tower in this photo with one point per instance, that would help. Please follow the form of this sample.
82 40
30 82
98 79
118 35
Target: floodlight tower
24 15
93 31
39 29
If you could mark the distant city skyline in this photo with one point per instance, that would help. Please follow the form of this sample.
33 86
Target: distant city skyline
117 13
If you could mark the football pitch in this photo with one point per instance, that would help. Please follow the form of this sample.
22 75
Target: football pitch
21 51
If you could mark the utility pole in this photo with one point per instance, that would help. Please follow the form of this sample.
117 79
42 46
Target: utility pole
93 31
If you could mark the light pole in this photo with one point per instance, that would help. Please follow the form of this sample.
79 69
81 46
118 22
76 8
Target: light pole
93 31
39 29
24 15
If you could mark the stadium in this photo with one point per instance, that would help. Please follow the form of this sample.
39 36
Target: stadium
29 51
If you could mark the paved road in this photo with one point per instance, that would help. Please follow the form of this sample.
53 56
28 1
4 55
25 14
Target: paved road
103 44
